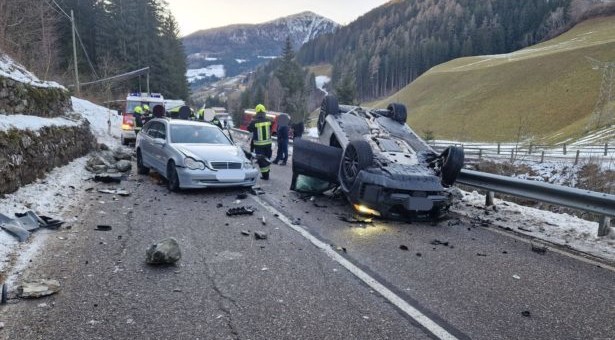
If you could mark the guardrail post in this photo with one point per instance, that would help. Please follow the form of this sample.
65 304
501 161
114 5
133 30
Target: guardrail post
530 150
512 155
564 148
603 226
499 145
606 149
542 156
576 159
489 198
480 154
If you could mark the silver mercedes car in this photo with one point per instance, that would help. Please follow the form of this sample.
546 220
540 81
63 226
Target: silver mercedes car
191 154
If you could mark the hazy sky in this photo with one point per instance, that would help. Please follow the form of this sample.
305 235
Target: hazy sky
194 15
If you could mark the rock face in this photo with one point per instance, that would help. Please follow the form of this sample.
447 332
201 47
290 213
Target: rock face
20 98
164 252
26 155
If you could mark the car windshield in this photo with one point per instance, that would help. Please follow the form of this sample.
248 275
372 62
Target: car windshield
198 134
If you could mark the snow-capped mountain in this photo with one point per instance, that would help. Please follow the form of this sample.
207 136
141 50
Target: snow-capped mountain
241 47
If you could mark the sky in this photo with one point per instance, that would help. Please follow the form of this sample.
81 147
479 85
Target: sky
194 15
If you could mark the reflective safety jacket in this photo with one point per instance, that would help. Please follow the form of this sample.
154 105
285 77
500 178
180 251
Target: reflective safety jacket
261 130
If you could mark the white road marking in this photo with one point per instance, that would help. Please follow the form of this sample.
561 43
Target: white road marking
412 312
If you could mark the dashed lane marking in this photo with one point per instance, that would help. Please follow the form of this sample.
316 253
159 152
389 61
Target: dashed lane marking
400 303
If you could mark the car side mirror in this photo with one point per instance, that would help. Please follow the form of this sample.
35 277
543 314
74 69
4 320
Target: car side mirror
159 141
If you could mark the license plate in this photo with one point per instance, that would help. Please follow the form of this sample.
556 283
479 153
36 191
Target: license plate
230 177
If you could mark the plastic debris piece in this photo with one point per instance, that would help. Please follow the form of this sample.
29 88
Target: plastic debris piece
526 313
517 277
37 289
259 235
108 178
102 227
245 233
120 192
403 247
240 211
4 295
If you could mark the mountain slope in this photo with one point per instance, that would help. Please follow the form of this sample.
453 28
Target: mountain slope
547 91
242 47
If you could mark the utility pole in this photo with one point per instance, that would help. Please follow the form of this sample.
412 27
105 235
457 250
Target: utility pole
72 19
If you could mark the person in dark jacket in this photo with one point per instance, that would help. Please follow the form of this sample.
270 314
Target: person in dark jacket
282 134
260 127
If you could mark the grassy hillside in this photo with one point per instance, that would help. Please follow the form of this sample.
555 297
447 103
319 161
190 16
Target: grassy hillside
546 92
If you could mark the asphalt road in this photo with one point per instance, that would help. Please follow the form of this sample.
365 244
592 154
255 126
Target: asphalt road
470 281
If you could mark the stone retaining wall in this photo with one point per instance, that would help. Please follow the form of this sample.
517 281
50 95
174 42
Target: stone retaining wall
20 98
26 155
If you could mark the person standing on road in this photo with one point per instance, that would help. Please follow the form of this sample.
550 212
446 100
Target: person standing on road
260 127
138 113
200 114
282 133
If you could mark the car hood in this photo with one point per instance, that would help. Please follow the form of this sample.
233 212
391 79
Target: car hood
212 152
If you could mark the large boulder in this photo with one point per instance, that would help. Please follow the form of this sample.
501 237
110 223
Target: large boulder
123 166
164 252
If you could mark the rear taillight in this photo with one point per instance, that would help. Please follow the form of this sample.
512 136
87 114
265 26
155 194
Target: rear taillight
128 122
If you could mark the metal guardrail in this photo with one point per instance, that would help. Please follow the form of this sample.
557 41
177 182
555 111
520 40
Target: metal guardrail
586 200
591 201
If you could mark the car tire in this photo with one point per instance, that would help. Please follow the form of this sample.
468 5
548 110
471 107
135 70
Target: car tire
329 106
398 112
452 162
123 140
357 156
141 169
172 177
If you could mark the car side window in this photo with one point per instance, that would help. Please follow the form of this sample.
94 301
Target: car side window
153 130
162 131
146 127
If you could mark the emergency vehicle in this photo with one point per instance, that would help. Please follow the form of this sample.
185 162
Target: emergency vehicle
249 114
128 117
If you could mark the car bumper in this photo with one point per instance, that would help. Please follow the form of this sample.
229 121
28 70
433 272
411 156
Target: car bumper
129 135
420 197
193 179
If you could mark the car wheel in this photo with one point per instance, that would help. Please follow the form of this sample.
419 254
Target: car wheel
357 156
172 178
329 106
123 140
398 112
452 162
141 169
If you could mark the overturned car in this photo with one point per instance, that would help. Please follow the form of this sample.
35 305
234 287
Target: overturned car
381 165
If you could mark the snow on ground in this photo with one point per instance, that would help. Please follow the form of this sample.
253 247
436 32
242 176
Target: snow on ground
562 229
11 69
312 132
200 73
62 189
321 81
25 122
240 61
267 57
105 123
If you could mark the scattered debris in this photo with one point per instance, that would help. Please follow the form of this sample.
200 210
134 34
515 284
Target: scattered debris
516 277
1 325
240 211
257 191
123 166
437 242
524 229
355 219
419 254
259 235
245 233
37 289
454 222
108 178
117 191
242 196
526 313
102 227
539 249
296 221
4 295
177 290
481 254
219 205
263 221
265 269
403 247
164 252
27 222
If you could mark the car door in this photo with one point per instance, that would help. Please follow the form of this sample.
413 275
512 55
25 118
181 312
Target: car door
159 146
147 144
315 166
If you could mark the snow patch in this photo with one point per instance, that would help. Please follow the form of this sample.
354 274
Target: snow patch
217 71
240 61
105 124
11 69
26 122
321 81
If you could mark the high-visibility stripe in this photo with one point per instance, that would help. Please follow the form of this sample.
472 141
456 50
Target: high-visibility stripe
263 131
265 169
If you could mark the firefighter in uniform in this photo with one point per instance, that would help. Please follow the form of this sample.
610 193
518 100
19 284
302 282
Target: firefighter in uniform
261 137
200 114
138 114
